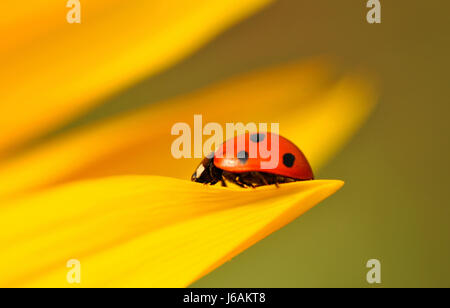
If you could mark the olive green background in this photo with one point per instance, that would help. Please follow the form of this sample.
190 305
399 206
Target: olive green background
394 206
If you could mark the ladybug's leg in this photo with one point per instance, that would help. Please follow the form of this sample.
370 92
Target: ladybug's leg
223 181
238 181
277 180
246 180
211 173
261 178
232 178
254 179
215 174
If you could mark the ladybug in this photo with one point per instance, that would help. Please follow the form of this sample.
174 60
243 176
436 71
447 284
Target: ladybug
247 170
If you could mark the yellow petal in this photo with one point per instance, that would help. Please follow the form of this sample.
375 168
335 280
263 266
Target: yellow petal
51 69
315 113
141 231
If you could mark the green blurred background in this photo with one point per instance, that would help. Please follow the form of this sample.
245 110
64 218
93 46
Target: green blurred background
394 206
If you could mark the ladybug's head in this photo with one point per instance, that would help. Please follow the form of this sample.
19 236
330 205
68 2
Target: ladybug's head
203 172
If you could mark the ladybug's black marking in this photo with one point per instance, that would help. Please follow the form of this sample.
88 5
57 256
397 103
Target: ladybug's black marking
288 160
243 157
257 137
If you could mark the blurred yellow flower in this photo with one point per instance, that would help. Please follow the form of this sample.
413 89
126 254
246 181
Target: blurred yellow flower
58 200
51 69
314 110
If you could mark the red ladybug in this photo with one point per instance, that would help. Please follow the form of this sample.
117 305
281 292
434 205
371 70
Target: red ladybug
248 170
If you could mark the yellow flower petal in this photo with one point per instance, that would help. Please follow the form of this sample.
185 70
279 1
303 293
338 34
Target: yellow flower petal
141 231
317 115
51 69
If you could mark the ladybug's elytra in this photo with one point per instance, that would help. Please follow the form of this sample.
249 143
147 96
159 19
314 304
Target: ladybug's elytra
246 170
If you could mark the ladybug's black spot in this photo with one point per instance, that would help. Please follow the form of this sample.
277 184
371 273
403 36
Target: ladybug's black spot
288 160
243 156
257 137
